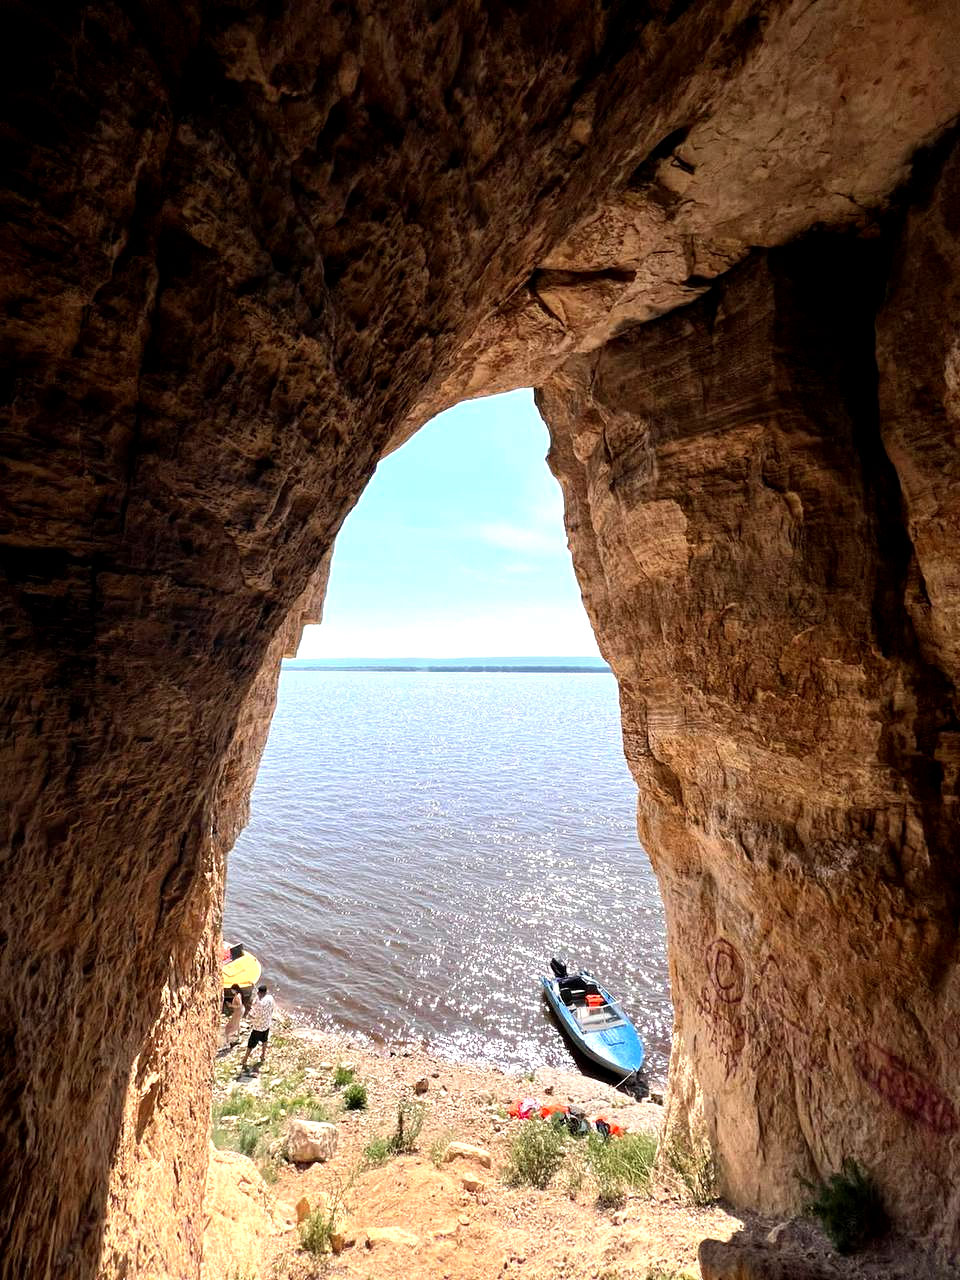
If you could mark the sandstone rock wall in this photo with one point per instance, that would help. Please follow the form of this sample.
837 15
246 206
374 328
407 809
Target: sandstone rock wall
749 563
245 251
161 1156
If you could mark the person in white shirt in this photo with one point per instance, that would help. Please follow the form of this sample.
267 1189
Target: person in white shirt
261 1015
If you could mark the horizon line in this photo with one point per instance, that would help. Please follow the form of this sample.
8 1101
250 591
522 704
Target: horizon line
510 657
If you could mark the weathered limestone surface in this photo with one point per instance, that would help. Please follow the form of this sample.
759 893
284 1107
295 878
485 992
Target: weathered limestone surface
739 534
241 1216
245 251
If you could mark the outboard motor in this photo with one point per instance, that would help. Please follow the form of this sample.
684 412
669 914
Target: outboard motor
559 968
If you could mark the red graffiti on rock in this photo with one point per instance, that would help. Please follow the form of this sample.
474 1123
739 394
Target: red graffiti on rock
726 969
905 1089
725 1028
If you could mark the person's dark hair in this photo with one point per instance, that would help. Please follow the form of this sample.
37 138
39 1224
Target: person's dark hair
261 991
236 988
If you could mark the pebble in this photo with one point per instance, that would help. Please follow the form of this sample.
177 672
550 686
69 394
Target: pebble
421 1086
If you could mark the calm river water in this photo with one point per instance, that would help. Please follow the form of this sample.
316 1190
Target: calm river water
421 844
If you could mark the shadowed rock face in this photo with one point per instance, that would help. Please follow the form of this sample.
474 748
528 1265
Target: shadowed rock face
249 249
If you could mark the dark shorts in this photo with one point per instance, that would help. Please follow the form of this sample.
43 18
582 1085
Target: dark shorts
258 1037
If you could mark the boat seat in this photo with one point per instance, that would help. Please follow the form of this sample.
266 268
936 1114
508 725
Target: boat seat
573 995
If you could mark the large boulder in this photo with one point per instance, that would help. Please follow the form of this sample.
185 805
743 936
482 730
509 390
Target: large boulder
240 1216
467 1151
309 1140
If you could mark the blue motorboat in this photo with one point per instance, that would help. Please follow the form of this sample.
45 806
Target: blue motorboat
594 1022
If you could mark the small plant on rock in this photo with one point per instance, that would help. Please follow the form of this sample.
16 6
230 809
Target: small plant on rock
319 1228
343 1076
849 1206
410 1117
693 1164
377 1152
438 1148
536 1154
355 1097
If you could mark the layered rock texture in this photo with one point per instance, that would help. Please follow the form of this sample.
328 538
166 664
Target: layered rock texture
740 535
247 250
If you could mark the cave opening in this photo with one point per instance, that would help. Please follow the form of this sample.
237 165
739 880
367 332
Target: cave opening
426 830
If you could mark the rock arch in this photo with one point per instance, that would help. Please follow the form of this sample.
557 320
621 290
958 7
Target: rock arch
247 250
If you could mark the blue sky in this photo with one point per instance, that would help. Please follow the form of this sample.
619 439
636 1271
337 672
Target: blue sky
457 548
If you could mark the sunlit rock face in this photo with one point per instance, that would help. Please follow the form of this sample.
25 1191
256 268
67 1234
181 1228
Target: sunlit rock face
747 555
246 251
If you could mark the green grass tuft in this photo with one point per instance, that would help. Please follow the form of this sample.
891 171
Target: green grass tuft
248 1138
377 1152
238 1103
536 1154
403 1140
248 1122
343 1075
355 1097
620 1164
849 1207
438 1147
316 1231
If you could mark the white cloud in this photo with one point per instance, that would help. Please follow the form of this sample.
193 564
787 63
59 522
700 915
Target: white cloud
531 541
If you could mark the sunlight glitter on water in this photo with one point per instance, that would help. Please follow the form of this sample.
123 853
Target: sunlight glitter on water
421 844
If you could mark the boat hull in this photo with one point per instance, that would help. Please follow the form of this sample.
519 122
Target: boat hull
617 1049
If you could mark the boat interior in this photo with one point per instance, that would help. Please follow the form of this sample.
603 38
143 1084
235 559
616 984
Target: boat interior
587 1002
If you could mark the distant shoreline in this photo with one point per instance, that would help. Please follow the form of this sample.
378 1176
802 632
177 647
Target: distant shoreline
536 663
418 670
